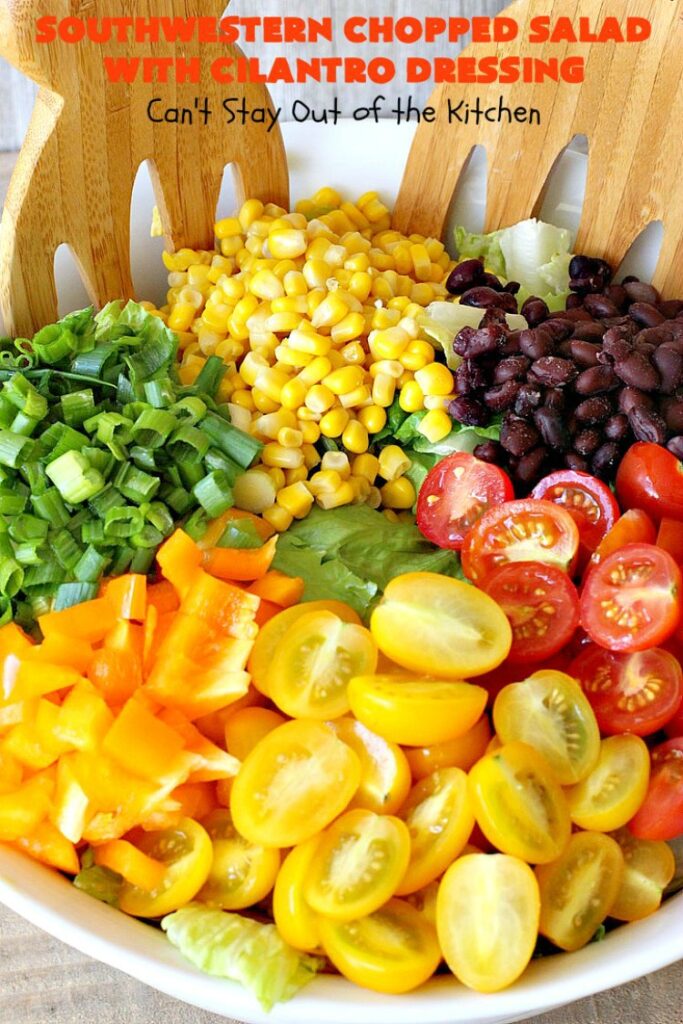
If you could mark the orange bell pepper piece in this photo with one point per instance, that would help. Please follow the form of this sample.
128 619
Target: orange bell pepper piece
23 680
670 538
279 589
223 790
34 743
162 596
141 743
13 640
22 811
128 595
240 563
266 611
57 649
196 799
213 725
89 621
179 558
47 845
216 527
222 606
212 762
132 864
83 719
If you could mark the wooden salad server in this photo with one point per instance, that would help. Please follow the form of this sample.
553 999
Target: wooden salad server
86 140
630 107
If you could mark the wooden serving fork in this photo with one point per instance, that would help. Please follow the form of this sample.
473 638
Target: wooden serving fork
86 140
630 107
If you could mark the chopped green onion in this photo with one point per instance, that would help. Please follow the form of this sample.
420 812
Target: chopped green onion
24 397
240 533
69 594
11 576
215 459
12 501
122 558
144 458
66 550
189 410
110 426
210 375
158 515
22 424
5 610
92 363
196 524
214 493
50 506
143 559
188 444
123 521
74 477
160 393
78 406
153 427
27 527
92 531
191 472
177 498
36 478
155 355
15 449
136 485
54 343
29 552
241 447
7 411
47 571
91 565
60 438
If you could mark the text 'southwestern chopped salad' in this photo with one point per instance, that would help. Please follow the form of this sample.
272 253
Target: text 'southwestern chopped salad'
341 600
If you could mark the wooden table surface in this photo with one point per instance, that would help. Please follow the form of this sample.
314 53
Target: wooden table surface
42 981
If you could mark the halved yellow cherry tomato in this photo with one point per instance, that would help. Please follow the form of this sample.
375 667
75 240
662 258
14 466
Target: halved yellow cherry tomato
385 774
487 919
460 752
438 813
241 873
439 626
187 852
358 865
313 662
579 888
416 712
271 633
424 900
247 726
550 712
296 922
612 793
519 805
295 781
649 866
393 950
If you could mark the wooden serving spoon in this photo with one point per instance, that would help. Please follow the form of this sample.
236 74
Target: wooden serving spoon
86 140
630 107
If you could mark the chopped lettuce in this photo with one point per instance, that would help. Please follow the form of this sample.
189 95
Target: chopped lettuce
441 321
351 553
235 947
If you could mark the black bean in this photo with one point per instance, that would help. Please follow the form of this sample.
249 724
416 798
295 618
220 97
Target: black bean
553 371
573 460
491 281
469 411
638 291
470 376
493 315
585 331
574 301
645 348
529 398
595 380
636 371
576 315
512 368
555 399
675 446
512 287
530 467
559 327
536 343
670 308
616 428
534 311
552 428
564 349
672 411
586 441
615 344
669 363
473 342
588 274
655 335
629 278
600 306
483 297
617 294
502 396
464 276
645 314
632 398
517 436
647 425
584 353
593 410
511 344
489 451
605 460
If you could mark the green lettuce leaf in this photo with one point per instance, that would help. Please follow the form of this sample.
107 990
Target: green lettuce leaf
481 247
351 553
235 947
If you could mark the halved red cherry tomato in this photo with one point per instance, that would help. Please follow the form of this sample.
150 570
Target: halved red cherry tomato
455 494
670 538
521 531
541 603
651 478
674 727
589 502
634 527
661 814
632 601
637 693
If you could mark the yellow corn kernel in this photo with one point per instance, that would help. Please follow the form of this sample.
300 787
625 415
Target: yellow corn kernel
295 283
328 197
229 350
381 260
330 311
404 378
389 514
311 453
366 465
353 353
295 499
302 413
356 398
310 431
361 489
198 275
413 310
270 424
217 317
336 359
277 475
315 371
435 379
193 296
422 293
287 244
393 462
392 367
290 438
232 288
286 356
422 264
355 437
226 227
352 326
383 319
388 344
366 198
326 481
437 276
254 245
293 393
266 285
316 273
313 300
317 248
383 389
411 398
282 458
251 210
357 218
252 365
398 494
360 285
374 498
293 476
306 207
279 518
271 381
232 246
338 462
399 302
181 316
345 495
382 290
262 402
438 401
348 378
244 398
302 340
284 267
373 418
335 256
319 399
290 304
282 323
246 307
333 422
435 425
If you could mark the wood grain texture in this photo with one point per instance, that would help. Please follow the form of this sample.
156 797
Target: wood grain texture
85 142
630 107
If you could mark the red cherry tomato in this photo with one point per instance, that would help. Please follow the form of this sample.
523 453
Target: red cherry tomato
651 478
521 531
661 814
670 538
455 494
631 601
637 693
674 727
590 503
634 527
542 605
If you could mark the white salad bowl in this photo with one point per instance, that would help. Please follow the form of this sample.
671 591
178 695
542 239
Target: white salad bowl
352 157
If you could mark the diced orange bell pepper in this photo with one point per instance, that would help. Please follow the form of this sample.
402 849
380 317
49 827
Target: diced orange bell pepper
162 596
89 621
126 636
213 725
141 743
116 674
279 589
670 538
68 651
165 814
197 799
14 714
47 845
71 803
11 773
212 762
128 594
216 527
22 811
266 611
132 864
13 640
33 743
83 719
223 790
179 558
23 680
149 637
240 563
222 606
